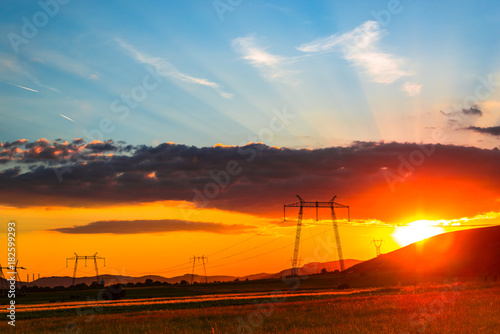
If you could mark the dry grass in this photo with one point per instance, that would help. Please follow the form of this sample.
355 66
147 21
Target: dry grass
471 310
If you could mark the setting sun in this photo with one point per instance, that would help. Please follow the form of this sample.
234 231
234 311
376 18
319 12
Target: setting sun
416 231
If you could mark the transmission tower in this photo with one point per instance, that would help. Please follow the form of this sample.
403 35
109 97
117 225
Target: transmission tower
378 245
202 259
303 204
13 270
85 257
2 278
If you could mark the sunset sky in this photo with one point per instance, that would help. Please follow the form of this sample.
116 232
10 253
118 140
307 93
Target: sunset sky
152 132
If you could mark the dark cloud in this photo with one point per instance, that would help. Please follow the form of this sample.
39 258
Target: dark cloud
153 226
16 143
474 111
379 180
102 147
493 130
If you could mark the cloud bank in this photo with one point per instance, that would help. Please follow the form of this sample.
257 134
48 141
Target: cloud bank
153 226
385 181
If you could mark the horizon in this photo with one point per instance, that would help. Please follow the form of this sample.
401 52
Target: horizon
154 132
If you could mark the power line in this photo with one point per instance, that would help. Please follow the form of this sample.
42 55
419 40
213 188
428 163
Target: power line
255 247
268 252
253 236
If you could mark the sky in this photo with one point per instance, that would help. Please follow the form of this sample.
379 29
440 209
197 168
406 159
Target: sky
154 132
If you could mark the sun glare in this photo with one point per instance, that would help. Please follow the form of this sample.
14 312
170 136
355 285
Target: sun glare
416 231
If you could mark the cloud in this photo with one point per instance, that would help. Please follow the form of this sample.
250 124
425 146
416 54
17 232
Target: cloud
153 226
493 130
11 64
472 111
254 178
412 88
458 117
167 70
359 47
19 86
272 67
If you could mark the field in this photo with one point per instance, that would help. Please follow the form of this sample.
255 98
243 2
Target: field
309 305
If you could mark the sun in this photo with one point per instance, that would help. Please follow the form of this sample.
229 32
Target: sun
416 231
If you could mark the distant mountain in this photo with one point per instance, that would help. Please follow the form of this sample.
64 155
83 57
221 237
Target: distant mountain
113 279
316 267
310 268
467 252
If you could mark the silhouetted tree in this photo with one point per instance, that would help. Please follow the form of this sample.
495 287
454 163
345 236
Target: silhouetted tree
81 286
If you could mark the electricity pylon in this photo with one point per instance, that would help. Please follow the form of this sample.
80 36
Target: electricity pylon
13 270
85 257
378 245
303 204
2 278
199 258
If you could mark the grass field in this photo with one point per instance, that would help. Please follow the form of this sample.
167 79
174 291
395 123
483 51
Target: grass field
433 307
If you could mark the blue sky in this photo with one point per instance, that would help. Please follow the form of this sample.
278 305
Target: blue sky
323 76
203 72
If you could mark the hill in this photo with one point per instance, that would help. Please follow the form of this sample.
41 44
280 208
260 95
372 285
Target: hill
461 253
310 268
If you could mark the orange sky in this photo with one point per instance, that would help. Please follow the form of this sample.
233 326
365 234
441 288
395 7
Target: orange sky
268 248
149 209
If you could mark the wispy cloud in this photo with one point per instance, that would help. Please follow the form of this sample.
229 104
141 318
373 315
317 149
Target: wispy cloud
412 88
23 87
359 47
12 65
167 70
272 67
39 84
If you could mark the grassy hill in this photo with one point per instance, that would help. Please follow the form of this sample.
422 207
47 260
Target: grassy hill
460 253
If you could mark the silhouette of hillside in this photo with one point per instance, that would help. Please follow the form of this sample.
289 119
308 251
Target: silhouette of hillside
460 253
309 269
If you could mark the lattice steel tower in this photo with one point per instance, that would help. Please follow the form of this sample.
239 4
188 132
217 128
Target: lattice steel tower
199 258
378 245
85 257
303 204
